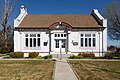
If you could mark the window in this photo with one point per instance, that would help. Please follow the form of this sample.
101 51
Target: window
94 40
32 35
63 43
87 40
87 35
45 43
58 35
26 40
64 35
26 35
93 35
38 35
57 43
32 40
61 35
81 42
38 42
55 35
81 35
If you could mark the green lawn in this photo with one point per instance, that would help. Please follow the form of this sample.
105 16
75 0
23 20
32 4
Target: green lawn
96 70
26 70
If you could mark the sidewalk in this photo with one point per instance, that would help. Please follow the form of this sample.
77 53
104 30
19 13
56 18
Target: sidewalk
63 71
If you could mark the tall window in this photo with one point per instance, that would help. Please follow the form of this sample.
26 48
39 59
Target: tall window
82 42
57 43
94 40
26 40
87 40
38 42
32 40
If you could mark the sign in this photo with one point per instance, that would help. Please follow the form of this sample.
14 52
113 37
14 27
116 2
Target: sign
75 43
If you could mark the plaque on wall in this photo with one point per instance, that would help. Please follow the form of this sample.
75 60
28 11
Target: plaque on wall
75 43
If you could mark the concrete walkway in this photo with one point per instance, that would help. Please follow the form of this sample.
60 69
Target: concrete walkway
63 71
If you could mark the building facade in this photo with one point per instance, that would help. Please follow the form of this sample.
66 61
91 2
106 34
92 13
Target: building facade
60 33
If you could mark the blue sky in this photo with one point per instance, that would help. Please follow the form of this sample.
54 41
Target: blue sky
64 7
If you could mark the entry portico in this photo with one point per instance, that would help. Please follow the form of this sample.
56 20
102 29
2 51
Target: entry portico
59 37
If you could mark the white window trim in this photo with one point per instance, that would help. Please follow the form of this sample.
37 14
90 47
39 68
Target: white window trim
88 40
37 47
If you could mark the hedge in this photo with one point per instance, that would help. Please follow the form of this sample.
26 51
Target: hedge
76 57
16 54
33 54
87 55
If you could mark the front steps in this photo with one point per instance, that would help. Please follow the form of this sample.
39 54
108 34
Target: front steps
61 55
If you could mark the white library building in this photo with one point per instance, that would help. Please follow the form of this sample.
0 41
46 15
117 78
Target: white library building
60 33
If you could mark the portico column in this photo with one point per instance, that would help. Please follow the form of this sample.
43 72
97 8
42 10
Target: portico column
67 42
49 41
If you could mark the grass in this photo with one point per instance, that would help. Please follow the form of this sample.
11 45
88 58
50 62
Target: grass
26 70
96 70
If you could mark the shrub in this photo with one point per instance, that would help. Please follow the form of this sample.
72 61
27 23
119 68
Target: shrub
16 54
108 55
33 54
39 57
72 57
4 50
116 54
45 57
80 57
87 55
75 57
49 56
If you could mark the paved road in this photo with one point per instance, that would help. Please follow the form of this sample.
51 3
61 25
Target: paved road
63 71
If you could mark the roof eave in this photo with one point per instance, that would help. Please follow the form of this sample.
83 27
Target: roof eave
100 28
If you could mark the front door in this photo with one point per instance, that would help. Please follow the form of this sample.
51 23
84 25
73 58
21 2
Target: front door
60 45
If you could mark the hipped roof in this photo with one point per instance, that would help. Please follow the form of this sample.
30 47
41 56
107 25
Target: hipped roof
45 20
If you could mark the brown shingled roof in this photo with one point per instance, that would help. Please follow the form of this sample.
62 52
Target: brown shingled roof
45 20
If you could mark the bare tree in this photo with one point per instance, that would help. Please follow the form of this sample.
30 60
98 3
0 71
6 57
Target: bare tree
112 12
6 9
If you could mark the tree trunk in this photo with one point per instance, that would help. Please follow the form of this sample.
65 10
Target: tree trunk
5 36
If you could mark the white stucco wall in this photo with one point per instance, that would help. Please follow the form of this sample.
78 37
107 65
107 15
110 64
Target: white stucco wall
73 36
16 41
19 41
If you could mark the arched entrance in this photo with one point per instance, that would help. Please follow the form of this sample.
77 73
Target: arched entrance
59 37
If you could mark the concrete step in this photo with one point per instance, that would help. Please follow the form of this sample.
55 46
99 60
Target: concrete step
61 55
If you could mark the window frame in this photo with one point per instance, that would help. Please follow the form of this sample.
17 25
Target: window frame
86 40
33 41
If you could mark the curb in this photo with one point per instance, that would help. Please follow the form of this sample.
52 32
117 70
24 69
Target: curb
53 77
74 70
